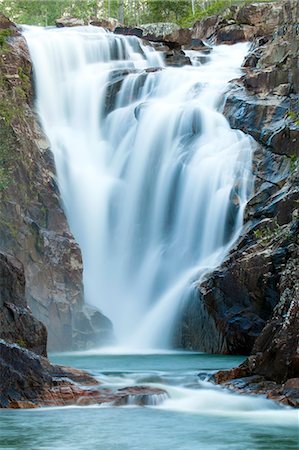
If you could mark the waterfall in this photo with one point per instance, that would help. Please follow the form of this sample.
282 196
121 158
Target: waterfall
153 179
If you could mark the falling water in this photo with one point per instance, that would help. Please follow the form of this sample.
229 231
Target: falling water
153 180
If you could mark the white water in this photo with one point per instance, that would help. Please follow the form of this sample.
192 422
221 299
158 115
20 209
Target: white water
147 183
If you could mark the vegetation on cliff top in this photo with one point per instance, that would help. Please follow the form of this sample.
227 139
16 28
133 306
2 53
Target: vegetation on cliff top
128 12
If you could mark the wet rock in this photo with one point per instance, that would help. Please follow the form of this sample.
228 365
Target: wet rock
31 381
275 355
230 309
140 395
177 58
129 31
168 33
17 323
264 118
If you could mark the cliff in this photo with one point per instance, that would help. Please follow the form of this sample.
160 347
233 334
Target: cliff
33 226
251 303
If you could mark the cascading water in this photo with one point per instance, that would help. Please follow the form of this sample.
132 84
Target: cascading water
153 180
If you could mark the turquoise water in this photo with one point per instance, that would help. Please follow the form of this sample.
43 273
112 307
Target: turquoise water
197 415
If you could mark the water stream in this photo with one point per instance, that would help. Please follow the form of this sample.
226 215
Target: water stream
153 179
197 415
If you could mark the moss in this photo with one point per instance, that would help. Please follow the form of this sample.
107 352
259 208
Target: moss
294 116
21 343
7 156
4 34
25 81
294 163
266 234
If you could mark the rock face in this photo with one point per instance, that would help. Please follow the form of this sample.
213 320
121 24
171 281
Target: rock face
27 378
30 381
33 226
240 23
17 323
264 103
168 33
273 368
230 310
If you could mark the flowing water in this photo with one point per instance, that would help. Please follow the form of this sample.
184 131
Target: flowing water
196 416
153 180
154 183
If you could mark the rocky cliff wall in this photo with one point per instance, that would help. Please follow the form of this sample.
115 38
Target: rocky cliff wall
232 306
33 226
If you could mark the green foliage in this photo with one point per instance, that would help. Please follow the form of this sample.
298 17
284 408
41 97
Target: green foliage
41 12
294 116
266 234
129 12
25 83
294 163
21 343
168 10
4 34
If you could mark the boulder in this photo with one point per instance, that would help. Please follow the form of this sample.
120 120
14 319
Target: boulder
240 23
168 33
67 21
31 381
109 23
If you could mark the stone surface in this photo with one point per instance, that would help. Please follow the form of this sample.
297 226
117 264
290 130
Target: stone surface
265 101
110 23
230 308
67 21
169 33
17 323
240 23
166 37
30 381
33 226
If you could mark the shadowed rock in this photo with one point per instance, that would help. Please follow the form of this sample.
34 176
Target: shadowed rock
30 381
